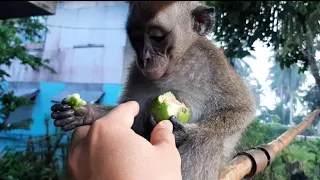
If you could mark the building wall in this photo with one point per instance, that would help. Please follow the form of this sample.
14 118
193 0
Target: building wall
86 43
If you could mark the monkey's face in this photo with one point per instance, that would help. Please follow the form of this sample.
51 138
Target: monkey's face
160 33
153 48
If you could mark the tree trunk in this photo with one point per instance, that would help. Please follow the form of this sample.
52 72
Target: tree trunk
311 57
314 69
282 105
318 128
291 108
291 97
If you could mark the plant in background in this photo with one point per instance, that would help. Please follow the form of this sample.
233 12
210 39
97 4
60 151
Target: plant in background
14 35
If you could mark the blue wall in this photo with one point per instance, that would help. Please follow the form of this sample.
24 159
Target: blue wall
43 104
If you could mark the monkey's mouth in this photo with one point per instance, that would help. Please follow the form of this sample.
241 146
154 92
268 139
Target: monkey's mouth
153 69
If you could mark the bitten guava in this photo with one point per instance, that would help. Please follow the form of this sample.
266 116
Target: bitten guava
75 101
166 105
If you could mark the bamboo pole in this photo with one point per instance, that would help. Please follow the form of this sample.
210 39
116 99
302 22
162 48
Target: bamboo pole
253 161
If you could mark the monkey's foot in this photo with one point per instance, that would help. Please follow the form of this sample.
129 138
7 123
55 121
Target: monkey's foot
66 117
179 130
149 123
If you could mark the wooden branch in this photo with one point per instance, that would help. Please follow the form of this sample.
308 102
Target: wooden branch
255 160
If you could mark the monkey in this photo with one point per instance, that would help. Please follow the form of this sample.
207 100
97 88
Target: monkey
172 53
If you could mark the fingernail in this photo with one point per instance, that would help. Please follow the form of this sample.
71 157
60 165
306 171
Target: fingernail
167 124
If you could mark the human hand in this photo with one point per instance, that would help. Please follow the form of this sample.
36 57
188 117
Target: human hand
110 149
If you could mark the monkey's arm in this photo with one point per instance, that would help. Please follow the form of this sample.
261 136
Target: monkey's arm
231 122
211 142
69 119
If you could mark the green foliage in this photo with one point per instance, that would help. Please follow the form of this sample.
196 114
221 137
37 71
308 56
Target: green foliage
257 131
14 35
299 150
39 159
290 28
9 104
285 81
16 165
312 99
315 162
279 114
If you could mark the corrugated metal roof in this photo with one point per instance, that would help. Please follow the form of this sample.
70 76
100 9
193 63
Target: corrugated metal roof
23 113
90 93
27 90
24 89
88 96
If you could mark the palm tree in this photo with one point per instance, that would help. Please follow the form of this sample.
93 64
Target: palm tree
286 83
241 67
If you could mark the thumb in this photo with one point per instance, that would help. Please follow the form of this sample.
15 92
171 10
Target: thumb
162 134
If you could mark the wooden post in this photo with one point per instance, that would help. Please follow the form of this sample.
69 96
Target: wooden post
255 160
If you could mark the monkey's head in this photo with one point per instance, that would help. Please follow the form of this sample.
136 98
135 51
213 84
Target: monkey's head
160 32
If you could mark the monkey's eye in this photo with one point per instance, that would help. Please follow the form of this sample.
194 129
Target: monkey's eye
156 34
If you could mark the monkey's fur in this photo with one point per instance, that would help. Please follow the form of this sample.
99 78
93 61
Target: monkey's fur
172 54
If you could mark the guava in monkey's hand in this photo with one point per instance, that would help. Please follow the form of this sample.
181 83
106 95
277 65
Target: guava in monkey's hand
75 101
167 105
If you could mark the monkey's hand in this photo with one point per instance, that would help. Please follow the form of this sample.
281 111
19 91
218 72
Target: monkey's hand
179 130
67 118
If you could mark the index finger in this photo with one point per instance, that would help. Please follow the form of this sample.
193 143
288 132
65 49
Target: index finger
123 114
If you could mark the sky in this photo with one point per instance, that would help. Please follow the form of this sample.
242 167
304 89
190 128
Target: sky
260 69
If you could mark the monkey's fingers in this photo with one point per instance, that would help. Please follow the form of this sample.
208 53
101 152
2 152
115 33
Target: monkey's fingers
65 121
149 123
64 101
72 126
179 130
177 124
148 120
62 114
152 121
82 111
60 107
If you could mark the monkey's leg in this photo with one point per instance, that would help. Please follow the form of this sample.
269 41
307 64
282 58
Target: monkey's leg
69 119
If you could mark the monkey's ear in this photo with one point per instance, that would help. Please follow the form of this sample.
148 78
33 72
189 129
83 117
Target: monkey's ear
203 20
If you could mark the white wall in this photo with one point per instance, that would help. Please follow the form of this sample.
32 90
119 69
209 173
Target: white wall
75 26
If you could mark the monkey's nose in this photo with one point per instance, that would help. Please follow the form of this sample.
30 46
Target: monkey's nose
145 62
147 56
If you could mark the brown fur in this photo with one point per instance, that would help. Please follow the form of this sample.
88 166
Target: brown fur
199 75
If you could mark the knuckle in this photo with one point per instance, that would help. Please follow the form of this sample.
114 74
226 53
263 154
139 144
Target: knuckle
120 106
72 159
96 124
53 115
57 123
168 137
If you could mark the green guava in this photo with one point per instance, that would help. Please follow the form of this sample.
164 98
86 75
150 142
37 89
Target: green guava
166 105
75 101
